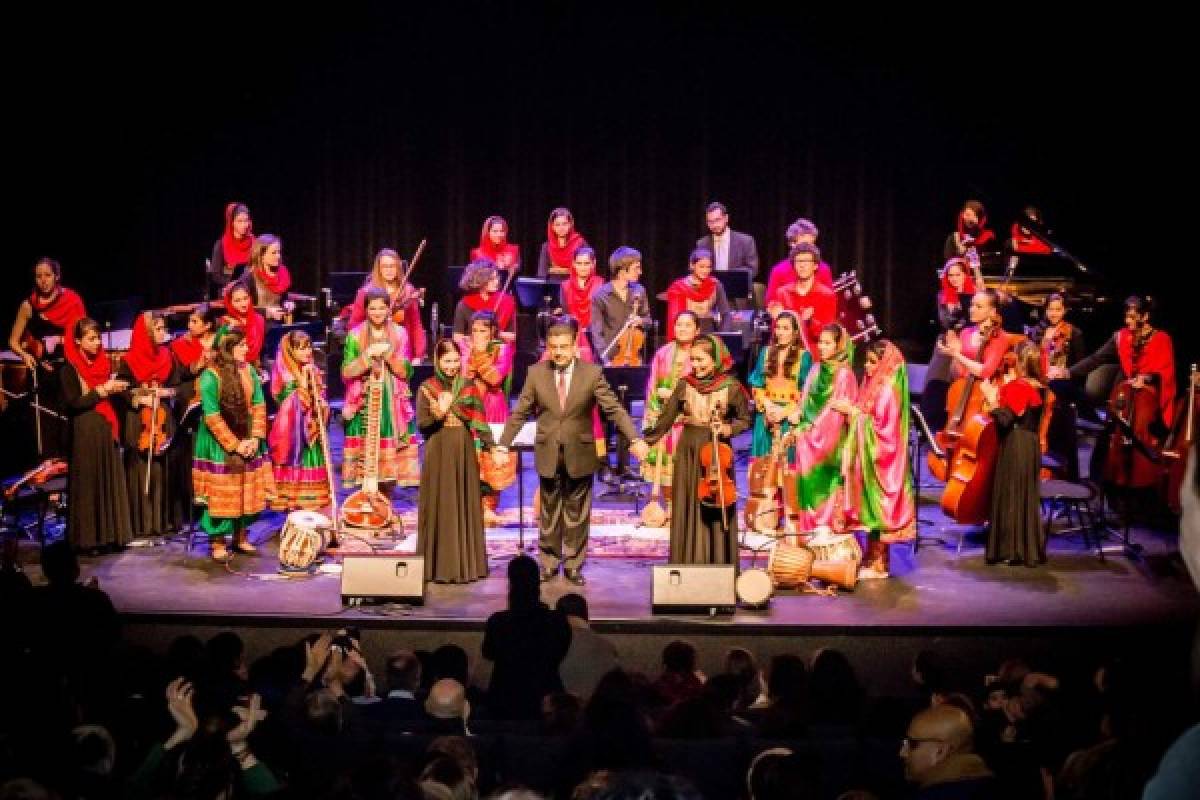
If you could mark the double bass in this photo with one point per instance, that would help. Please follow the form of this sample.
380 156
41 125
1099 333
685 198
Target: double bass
970 446
1178 447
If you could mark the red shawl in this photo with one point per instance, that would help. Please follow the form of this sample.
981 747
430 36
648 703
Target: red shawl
501 305
187 349
1156 358
1019 395
562 256
147 360
682 291
503 255
278 283
949 296
60 310
236 251
92 373
982 234
578 301
252 324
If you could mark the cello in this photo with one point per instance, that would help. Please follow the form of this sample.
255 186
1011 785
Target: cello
1178 447
963 402
1134 457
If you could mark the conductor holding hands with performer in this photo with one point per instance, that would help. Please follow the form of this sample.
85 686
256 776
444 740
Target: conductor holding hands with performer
565 390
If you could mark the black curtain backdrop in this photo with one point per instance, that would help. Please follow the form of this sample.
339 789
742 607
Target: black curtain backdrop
351 129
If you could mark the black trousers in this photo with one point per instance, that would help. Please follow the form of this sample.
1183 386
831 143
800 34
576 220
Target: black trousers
565 519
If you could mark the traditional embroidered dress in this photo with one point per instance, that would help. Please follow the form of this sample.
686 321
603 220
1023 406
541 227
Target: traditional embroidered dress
491 371
773 385
819 442
669 365
879 486
232 489
449 514
398 457
301 477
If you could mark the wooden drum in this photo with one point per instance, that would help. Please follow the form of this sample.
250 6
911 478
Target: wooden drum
789 566
302 540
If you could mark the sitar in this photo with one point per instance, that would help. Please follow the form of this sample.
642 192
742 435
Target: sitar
367 507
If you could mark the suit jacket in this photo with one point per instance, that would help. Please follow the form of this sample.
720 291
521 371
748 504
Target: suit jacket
743 252
571 426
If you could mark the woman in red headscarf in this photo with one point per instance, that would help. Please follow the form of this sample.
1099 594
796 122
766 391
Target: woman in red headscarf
956 288
99 509
575 296
970 232
150 371
232 251
700 293
240 311
707 398
46 312
562 240
494 245
272 279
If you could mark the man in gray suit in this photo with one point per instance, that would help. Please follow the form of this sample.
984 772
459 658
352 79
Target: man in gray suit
730 249
565 390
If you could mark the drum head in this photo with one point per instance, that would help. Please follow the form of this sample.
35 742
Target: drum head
309 519
754 588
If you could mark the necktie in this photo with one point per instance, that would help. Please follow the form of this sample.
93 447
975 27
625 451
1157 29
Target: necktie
562 388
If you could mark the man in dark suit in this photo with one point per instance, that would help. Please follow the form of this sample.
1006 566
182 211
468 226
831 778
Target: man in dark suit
730 249
565 390
401 705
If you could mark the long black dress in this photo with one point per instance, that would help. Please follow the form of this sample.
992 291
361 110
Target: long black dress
149 514
698 533
99 507
1015 533
449 506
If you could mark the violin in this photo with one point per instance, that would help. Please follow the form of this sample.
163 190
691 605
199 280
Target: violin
50 468
153 437
716 488
630 342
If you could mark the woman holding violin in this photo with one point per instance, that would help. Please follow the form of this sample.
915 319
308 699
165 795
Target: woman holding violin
148 422
388 273
670 364
1015 535
820 419
714 408
1061 345
483 291
99 509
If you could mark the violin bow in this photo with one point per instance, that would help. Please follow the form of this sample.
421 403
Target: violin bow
408 271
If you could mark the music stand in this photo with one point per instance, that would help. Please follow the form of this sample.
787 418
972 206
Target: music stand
522 442
534 294
630 384
343 286
738 282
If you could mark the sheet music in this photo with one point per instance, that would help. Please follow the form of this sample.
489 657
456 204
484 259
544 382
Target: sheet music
524 437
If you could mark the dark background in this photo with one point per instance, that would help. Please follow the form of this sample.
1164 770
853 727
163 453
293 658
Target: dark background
349 129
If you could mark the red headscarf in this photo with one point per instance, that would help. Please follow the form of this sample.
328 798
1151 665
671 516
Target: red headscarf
61 310
187 349
562 256
579 301
236 251
982 234
92 372
252 323
503 254
147 360
683 290
948 296
502 305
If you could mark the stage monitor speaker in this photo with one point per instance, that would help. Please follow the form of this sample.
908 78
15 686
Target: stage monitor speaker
693 589
390 578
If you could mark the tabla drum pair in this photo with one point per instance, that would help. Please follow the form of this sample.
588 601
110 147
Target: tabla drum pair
304 537
834 560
